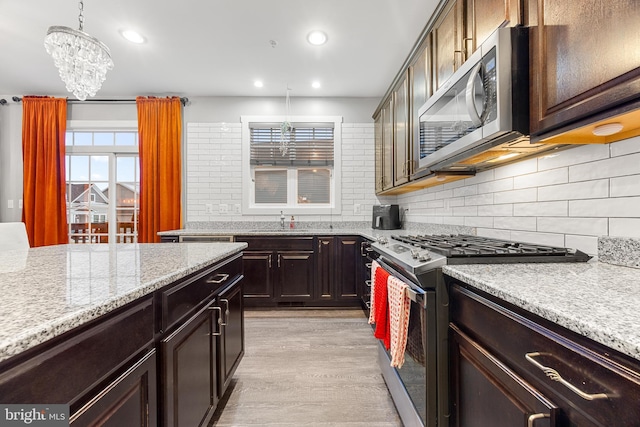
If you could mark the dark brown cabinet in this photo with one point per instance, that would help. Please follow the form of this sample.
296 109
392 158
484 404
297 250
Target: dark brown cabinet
483 17
278 270
486 393
506 360
347 266
448 34
401 133
231 339
325 271
584 62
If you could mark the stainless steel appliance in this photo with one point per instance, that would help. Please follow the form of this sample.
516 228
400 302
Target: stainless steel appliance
420 389
482 109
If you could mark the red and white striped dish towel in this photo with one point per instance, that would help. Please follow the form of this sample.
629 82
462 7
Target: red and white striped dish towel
372 296
399 307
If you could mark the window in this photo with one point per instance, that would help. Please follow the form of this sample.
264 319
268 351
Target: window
302 178
102 182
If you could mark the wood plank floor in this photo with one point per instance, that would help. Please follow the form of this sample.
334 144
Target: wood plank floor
308 368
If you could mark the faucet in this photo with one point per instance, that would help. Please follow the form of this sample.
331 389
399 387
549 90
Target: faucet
281 220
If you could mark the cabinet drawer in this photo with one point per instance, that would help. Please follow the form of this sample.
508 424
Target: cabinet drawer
590 386
64 372
181 299
277 242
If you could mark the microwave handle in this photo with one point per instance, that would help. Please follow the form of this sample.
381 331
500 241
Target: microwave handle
476 118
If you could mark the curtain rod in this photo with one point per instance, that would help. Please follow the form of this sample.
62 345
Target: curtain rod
183 101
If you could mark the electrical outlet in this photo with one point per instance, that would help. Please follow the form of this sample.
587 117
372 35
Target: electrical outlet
10 203
357 209
237 209
208 208
223 208
20 203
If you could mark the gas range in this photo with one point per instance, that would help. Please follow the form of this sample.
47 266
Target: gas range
417 254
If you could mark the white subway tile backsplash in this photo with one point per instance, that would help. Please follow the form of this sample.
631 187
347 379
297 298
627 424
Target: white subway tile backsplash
479 221
467 190
496 186
623 207
609 168
574 156
494 233
465 211
539 179
558 208
587 244
517 169
579 190
515 223
516 196
549 239
496 210
482 199
624 227
628 146
581 226
625 186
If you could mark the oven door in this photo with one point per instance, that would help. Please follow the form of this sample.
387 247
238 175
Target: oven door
413 386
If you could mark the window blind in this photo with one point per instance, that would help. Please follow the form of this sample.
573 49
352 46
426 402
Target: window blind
310 144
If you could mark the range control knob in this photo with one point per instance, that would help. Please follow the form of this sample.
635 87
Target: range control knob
424 256
382 240
415 253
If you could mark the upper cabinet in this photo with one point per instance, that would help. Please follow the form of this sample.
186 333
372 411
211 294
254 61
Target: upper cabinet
585 63
448 34
401 169
484 16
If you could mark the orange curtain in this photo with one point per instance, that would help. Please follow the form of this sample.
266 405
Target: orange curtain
44 212
160 132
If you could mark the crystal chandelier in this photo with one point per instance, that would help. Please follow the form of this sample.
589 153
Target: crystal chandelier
82 60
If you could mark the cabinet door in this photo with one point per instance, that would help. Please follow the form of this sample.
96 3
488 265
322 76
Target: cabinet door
325 272
486 393
258 282
378 150
189 371
447 35
401 133
420 80
231 348
483 17
128 401
347 265
295 275
387 145
584 59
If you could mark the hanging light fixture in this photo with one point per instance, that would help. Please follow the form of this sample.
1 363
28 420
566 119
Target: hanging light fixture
82 60
285 127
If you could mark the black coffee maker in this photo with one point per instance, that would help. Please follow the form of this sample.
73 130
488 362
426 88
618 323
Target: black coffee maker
386 217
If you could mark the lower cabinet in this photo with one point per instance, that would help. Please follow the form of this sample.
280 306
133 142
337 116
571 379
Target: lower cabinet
130 400
231 339
189 370
510 367
489 394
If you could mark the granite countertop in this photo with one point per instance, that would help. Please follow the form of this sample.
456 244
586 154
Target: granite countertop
595 299
49 290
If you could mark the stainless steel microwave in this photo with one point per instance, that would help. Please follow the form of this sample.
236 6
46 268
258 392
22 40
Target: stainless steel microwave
485 103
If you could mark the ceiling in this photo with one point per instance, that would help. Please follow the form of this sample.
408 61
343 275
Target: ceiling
219 47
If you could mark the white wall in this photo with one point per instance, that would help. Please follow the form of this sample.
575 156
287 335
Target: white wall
10 161
567 200
214 178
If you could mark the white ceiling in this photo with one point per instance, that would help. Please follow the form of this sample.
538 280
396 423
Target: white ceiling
219 47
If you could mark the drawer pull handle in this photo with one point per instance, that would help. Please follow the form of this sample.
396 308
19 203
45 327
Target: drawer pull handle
555 376
368 265
368 283
219 331
215 281
532 418
226 312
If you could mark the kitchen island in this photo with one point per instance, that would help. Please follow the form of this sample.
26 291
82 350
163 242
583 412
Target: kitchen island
87 325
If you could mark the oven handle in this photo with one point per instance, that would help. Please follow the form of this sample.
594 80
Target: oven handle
415 296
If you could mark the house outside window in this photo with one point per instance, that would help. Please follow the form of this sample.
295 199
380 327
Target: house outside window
102 181
303 178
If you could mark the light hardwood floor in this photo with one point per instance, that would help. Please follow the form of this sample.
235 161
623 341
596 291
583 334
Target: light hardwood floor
308 368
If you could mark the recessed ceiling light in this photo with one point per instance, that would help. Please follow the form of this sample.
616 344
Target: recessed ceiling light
607 129
317 38
315 85
258 83
133 36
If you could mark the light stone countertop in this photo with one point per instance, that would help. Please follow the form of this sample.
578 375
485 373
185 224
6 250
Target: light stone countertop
597 300
49 290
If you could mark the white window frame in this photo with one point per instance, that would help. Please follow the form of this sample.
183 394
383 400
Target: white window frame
248 188
110 126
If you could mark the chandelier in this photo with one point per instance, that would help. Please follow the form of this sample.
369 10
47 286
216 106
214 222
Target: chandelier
82 60
286 127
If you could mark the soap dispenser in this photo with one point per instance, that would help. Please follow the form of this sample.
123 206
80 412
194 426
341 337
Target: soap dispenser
292 224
